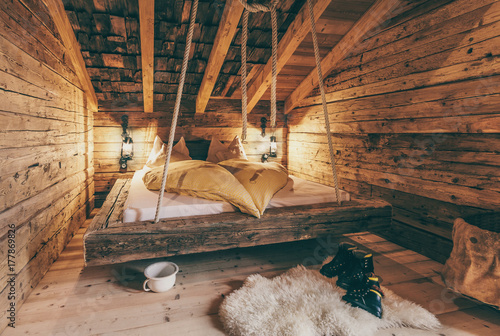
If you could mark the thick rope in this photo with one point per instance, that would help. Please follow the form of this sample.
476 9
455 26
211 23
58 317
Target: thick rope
244 98
194 9
323 99
257 7
274 22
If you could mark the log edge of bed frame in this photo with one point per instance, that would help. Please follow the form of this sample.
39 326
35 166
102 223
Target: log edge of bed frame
108 240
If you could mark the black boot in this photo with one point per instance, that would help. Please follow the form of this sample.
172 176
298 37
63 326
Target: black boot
366 295
360 263
340 262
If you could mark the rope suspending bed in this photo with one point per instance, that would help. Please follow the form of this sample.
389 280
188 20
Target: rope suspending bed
256 7
177 108
109 240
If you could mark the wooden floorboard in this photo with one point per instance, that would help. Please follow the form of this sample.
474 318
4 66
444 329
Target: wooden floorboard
108 300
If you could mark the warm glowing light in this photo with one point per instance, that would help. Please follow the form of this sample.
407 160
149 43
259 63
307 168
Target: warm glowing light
127 148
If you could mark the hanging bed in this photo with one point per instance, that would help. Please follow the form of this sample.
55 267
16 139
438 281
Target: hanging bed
111 239
125 228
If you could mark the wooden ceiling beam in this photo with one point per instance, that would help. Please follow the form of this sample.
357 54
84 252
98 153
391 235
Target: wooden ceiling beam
296 32
227 29
147 27
372 18
65 30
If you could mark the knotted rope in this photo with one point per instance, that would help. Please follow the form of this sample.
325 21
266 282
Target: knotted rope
177 107
256 7
274 22
323 99
244 39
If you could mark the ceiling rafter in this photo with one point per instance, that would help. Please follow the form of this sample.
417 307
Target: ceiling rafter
147 28
227 29
372 18
293 37
65 30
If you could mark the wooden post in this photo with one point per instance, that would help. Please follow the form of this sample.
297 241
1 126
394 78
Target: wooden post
147 19
227 29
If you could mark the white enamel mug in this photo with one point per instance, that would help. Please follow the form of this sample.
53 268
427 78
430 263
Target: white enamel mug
160 276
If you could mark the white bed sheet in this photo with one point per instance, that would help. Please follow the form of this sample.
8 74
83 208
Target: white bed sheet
141 202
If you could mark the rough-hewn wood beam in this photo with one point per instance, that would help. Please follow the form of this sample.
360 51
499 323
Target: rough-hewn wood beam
372 19
296 32
227 28
108 240
56 9
147 20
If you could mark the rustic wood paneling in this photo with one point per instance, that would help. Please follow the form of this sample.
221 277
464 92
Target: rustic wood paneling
414 111
222 119
371 19
46 148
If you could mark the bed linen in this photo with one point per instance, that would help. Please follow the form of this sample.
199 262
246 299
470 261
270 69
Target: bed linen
202 179
141 202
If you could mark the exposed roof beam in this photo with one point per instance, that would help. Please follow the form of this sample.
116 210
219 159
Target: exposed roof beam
56 9
147 24
227 28
296 32
372 18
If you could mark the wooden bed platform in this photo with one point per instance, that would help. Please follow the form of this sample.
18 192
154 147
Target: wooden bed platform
108 240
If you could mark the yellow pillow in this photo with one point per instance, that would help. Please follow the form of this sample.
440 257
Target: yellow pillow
159 153
220 152
261 180
205 180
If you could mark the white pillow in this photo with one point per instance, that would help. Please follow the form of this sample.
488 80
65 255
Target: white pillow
158 153
219 152
180 147
155 151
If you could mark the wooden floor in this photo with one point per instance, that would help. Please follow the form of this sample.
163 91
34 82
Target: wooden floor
108 300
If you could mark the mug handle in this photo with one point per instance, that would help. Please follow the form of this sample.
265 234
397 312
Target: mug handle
144 285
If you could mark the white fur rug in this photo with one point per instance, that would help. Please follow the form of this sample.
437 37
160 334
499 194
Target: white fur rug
302 302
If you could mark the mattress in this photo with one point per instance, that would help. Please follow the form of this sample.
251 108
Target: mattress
141 202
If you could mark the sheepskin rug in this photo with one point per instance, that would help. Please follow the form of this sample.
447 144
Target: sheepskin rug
302 302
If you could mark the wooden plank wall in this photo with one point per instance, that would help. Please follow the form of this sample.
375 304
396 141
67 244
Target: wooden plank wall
415 111
46 149
222 119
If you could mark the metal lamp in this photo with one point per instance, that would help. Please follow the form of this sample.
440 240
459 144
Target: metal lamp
273 147
127 150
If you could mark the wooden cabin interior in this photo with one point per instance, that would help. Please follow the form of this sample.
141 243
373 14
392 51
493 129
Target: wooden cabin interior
413 95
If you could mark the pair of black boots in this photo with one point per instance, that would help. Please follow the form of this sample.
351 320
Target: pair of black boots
354 269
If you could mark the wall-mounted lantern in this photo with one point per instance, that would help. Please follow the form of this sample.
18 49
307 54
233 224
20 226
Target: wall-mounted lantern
273 147
127 150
